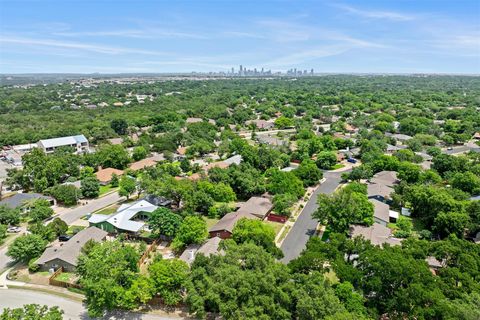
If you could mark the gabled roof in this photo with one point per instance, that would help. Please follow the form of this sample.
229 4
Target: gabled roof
381 211
376 233
227 223
257 206
63 141
122 218
382 184
208 248
70 250
18 199
147 162
105 175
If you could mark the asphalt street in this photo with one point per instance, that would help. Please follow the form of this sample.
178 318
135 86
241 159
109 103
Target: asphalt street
72 215
16 298
306 225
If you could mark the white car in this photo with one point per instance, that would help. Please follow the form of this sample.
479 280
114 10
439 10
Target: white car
14 229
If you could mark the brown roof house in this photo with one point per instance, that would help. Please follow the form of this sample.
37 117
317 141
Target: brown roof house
210 247
377 234
257 206
224 227
67 253
142 164
104 176
381 185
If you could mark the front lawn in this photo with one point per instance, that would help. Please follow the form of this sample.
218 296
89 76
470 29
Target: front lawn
65 276
108 210
337 166
276 226
106 189
210 222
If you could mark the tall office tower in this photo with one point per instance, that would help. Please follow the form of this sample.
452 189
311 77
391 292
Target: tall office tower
311 72
295 71
241 70
233 70
262 72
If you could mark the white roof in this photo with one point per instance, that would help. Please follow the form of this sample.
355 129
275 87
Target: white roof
393 214
122 218
63 141
237 159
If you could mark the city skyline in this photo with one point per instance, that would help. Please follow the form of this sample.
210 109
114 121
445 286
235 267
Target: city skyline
183 37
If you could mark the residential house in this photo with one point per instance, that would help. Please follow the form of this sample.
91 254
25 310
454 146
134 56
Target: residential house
224 227
377 234
66 254
382 213
23 201
399 137
115 141
130 218
476 136
381 185
104 176
272 140
193 120
257 206
210 247
79 143
261 124
142 164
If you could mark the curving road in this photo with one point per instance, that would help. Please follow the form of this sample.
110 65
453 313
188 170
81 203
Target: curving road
16 298
306 225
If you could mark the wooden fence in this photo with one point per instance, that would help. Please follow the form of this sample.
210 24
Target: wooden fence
53 282
145 255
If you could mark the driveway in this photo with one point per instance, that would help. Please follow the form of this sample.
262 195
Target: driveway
306 225
16 298
71 215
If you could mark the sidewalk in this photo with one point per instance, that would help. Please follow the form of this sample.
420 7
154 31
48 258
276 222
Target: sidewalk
297 210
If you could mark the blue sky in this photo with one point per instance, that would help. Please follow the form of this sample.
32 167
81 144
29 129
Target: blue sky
423 36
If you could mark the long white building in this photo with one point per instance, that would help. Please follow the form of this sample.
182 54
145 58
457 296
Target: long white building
79 143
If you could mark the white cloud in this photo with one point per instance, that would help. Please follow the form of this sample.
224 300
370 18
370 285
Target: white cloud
74 45
374 14
150 33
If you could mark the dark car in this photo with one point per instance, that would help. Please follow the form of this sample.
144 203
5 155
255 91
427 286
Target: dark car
351 160
64 238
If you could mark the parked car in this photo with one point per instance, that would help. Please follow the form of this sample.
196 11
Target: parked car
14 229
64 238
351 160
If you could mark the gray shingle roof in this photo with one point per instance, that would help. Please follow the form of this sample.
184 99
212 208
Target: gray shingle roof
70 250
19 199
227 223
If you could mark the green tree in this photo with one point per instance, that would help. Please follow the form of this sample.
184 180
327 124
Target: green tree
447 223
308 172
257 232
193 229
164 222
58 226
32 312
26 247
404 226
66 194
326 159
139 153
9 216
343 208
127 186
169 278
112 156
120 126
90 187
280 182
282 203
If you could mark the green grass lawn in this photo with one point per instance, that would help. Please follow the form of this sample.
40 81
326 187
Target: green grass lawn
210 222
65 276
106 189
331 276
337 166
326 234
108 210
43 273
74 229
275 225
